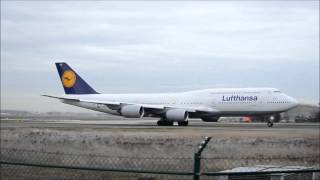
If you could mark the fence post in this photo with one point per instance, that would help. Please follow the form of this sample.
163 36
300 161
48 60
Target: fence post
196 166
197 158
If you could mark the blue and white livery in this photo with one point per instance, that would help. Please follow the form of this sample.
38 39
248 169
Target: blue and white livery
206 104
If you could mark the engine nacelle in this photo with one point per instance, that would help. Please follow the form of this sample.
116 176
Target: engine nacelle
210 119
177 115
132 111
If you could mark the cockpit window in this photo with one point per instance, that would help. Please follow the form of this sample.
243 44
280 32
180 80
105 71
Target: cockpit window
277 91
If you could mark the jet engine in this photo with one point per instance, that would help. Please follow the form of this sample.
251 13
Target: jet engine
132 111
178 115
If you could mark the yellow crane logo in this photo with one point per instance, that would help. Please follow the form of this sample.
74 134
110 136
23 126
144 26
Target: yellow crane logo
68 79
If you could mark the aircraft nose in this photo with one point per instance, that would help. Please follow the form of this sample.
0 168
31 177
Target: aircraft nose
294 102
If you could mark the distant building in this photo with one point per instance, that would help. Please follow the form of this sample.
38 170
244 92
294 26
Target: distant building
302 113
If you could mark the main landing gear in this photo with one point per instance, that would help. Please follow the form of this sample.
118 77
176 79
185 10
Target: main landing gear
183 123
163 122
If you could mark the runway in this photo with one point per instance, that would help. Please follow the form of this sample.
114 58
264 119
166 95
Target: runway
145 123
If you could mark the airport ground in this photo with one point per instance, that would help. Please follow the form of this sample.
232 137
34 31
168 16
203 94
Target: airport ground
196 127
232 144
147 128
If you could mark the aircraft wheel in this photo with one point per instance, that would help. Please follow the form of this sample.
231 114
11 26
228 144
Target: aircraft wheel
160 123
169 123
183 123
164 123
270 124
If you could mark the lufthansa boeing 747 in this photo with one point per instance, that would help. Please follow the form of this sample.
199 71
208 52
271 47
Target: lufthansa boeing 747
206 104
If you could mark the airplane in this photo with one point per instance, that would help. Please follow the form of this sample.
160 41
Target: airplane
206 104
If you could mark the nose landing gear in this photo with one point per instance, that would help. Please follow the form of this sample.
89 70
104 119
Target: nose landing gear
270 124
273 118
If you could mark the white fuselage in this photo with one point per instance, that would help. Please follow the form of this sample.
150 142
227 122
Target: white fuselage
225 101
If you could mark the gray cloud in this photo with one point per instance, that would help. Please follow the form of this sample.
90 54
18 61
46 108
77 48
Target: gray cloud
160 46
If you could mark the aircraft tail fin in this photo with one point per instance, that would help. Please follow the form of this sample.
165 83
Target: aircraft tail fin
72 82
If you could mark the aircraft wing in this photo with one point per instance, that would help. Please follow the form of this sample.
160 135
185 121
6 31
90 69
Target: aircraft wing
61 98
151 107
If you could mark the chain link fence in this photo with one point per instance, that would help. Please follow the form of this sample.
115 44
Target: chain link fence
34 164
18 163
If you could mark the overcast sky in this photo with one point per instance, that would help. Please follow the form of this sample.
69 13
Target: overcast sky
122 47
